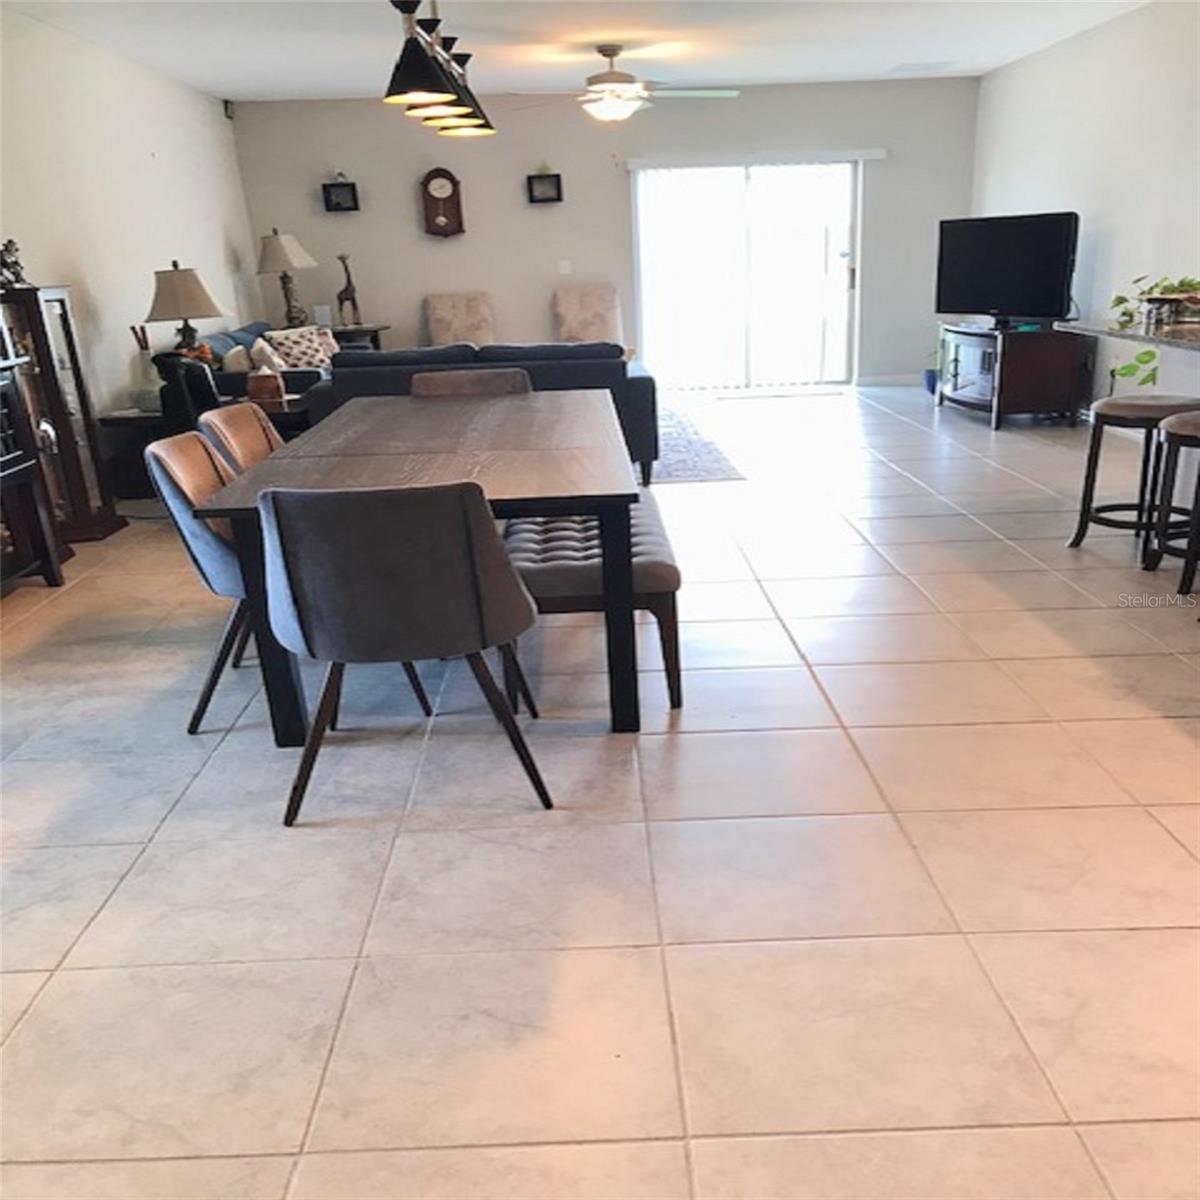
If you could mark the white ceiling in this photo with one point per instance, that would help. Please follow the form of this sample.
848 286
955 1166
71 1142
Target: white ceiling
302 49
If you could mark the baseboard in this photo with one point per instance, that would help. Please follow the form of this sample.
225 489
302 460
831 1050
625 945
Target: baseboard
888 381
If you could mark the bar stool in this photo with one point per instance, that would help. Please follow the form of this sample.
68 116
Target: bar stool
1125 412
1176 433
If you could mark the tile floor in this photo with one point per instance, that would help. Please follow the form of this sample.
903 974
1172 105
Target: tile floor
902 904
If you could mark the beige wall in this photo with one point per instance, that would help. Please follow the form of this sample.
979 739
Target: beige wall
108 172
1105 124
513 249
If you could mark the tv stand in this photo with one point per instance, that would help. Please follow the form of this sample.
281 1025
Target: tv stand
1005 371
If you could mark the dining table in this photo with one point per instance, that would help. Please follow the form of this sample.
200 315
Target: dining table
558 453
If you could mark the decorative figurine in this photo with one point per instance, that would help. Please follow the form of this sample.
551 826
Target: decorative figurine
348 295
12 274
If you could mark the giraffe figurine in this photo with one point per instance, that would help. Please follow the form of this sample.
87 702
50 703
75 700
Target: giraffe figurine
348 295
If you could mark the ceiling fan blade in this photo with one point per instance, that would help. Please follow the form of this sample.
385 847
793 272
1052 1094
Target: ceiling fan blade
695 93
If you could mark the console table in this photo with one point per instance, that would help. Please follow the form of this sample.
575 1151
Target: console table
1007 371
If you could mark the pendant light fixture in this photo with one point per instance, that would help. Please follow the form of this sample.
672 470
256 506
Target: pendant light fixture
418 78
431 82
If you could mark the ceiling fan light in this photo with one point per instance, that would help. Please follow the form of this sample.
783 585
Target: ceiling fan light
417 78
607 107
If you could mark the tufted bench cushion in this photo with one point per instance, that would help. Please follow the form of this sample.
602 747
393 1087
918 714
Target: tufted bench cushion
560 556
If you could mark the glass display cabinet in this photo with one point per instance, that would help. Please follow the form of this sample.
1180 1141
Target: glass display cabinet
40 331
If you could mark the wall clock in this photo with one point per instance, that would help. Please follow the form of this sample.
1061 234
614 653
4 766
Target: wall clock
441 196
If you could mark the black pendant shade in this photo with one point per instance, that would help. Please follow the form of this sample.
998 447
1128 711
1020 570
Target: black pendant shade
417 78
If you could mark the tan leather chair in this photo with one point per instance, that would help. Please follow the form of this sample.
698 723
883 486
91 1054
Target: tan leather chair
242 433
186 471
502 381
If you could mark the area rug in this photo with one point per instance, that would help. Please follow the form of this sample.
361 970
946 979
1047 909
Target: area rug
686 455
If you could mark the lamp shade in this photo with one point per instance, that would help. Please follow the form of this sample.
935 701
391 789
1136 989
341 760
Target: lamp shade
417 78
180 293
281 252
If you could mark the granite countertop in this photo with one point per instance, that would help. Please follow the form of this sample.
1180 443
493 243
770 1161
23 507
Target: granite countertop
1181 337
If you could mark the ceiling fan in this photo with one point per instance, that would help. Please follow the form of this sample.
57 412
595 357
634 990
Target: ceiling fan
614 95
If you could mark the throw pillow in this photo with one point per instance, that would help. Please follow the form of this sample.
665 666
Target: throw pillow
263 354
326 338
299 347
237 361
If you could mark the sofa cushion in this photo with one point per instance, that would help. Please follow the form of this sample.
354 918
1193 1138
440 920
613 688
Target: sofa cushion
247 335
461 352
549 351
300 347
219 343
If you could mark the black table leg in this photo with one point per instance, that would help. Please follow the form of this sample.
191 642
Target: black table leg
280 671
617 550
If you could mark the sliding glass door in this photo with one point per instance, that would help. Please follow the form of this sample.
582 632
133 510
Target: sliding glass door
745 274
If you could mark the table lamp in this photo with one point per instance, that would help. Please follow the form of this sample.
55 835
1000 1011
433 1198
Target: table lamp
281 252
179 294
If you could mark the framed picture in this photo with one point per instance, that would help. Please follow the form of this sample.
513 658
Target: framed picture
544 189
340 197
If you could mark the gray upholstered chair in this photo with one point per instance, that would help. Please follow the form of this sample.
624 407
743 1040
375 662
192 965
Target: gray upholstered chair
560 561
393 575
498 381
186 470
242 433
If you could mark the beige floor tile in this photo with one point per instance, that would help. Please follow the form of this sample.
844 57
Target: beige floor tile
1058 868
738 601
362 780
789 558
927 694
711 645
928 637
773 698
179 1179
1177 625
472 779
985 766
955 558
17 990
1096 553
581 649
1083 689
1183 820
951 1164
998 591
851 596
1144 1160
73 802
1124 587
790 877
768 773
826 1035
1043 527
170 1061
296 894
1158 761
49 896
1112 1016
516 889
615 1171
477 1047
885 531
1057 633
980 504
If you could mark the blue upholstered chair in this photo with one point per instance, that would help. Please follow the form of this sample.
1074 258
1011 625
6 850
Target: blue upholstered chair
186 471
393 575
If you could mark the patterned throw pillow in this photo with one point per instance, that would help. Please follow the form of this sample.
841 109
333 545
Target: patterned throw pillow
326 338
301 347
263 354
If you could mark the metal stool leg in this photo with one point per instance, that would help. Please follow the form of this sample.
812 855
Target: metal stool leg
1089 482
1144 499
1187 580
1153 552
1155 500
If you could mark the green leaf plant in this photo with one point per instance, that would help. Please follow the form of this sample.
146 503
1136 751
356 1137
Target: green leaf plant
1145 364
1128 308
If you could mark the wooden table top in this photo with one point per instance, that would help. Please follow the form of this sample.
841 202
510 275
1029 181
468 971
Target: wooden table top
529 452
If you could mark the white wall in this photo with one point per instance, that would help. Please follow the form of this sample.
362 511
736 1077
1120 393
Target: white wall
108 172
1105 124
513 249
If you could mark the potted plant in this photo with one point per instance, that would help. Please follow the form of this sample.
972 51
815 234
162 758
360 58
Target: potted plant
1174 299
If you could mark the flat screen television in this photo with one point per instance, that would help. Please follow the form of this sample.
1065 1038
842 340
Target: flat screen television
1008 267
